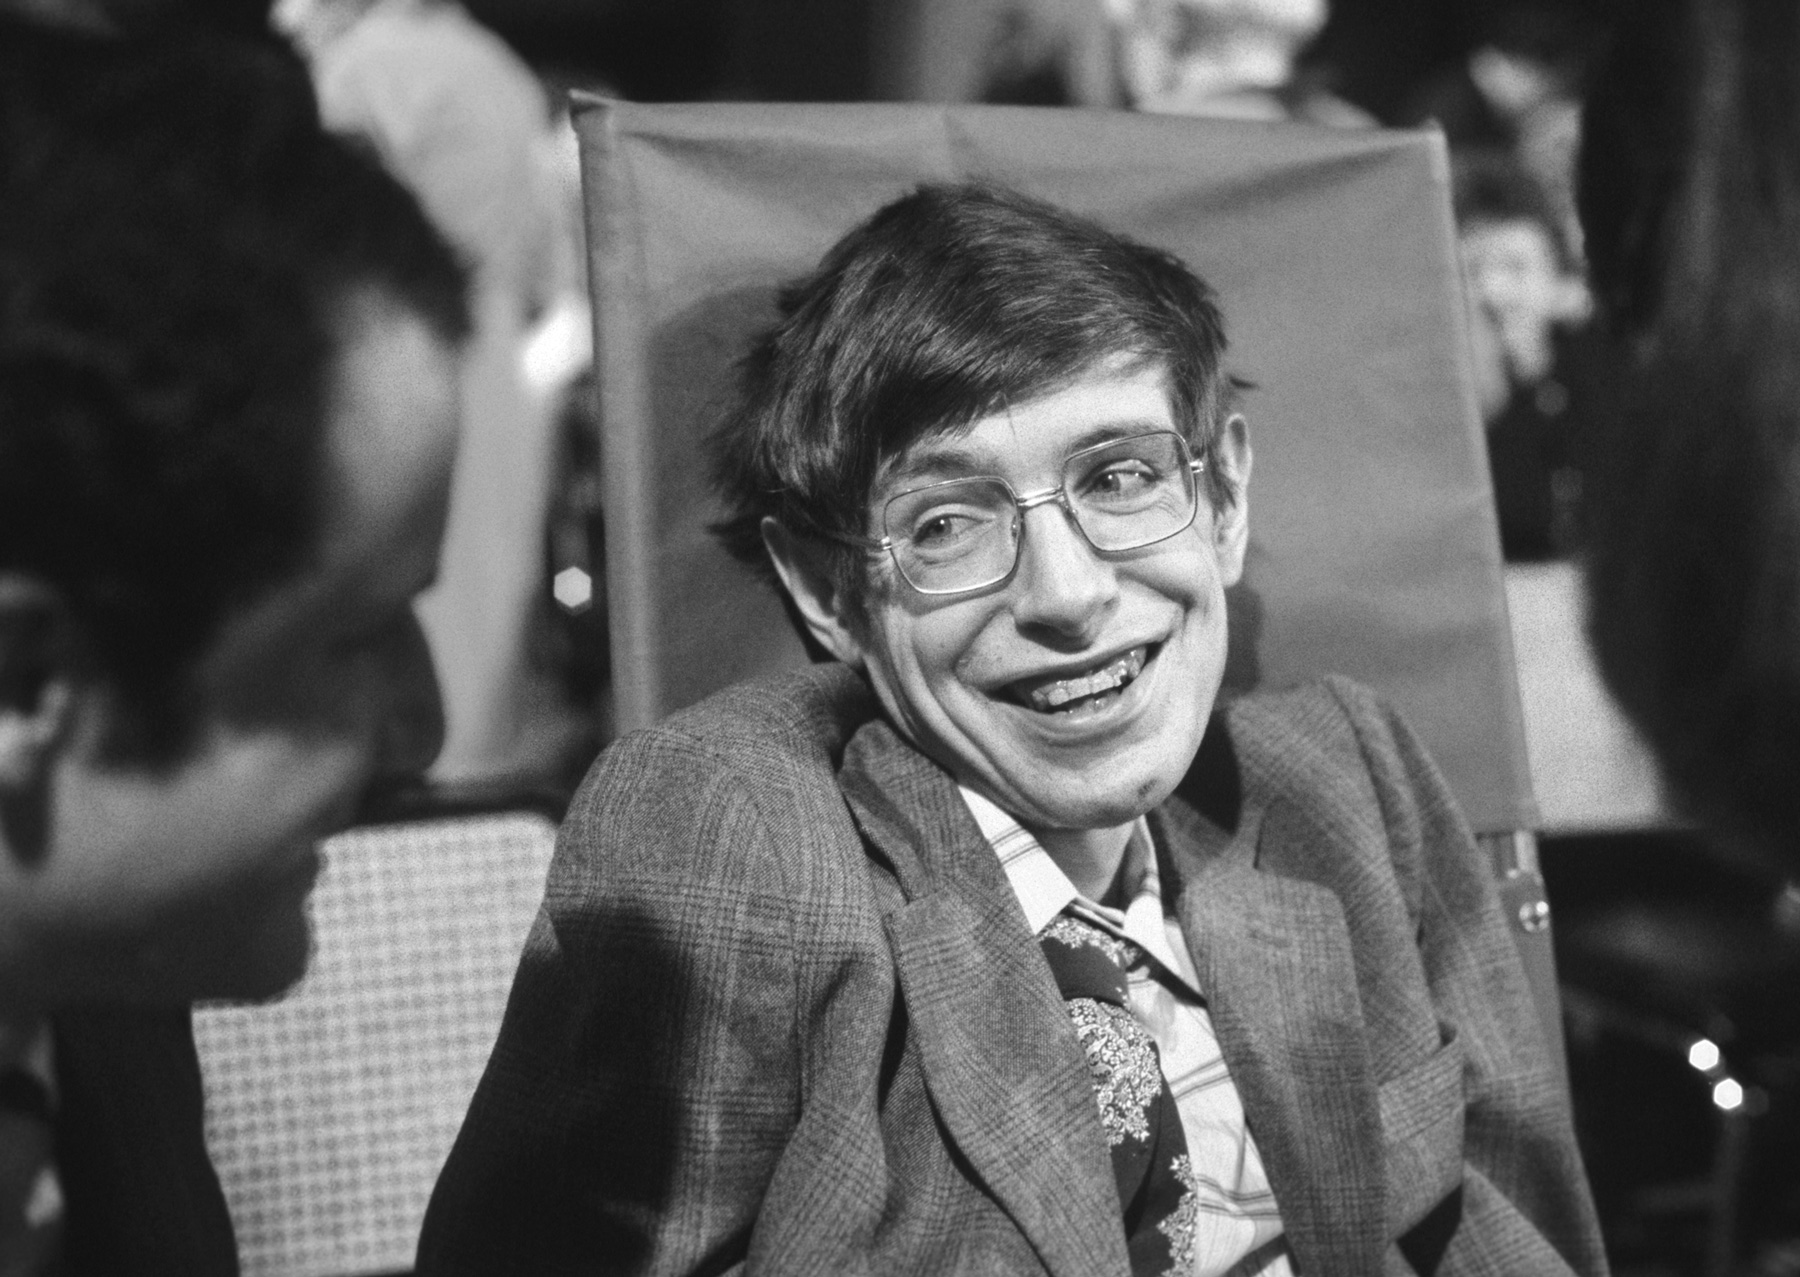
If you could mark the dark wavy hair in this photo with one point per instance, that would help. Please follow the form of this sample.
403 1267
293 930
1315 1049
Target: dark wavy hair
1691 198
938 310
178 240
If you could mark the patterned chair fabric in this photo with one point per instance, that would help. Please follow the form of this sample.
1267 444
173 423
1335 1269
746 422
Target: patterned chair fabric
329 1113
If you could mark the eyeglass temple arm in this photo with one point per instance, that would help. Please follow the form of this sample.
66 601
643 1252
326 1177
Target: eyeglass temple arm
858 542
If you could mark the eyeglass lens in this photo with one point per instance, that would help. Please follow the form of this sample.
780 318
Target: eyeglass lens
964 533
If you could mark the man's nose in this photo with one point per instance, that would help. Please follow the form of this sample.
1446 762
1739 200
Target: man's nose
413 731
1063 585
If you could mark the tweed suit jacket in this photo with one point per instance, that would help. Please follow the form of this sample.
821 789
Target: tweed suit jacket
781 1013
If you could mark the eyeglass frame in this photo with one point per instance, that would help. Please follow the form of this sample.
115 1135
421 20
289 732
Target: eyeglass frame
1031 500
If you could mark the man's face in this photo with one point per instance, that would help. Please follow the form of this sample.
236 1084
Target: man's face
969 678
187 882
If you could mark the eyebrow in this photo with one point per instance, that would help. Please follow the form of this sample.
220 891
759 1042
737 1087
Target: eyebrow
932 461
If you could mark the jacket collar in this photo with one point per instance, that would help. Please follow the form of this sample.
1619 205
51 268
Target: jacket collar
999 1054
1272 951
1274 958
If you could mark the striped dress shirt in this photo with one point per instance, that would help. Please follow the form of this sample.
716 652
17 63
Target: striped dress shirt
1240 1233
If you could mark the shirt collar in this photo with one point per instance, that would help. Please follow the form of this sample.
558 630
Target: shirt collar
1044 890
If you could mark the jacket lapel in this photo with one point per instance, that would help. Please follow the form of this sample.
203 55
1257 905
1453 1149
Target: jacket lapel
1274 960
999 1054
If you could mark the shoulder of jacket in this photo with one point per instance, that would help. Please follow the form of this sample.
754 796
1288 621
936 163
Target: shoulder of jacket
747 774
1329 710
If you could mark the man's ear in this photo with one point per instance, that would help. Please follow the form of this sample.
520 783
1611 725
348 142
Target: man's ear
806 574
38 663
1231 525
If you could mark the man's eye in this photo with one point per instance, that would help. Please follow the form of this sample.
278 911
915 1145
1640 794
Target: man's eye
938 529
1121 479
946 529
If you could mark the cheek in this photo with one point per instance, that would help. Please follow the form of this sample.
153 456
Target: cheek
1187 575
956 654
301 686
924 667
344 695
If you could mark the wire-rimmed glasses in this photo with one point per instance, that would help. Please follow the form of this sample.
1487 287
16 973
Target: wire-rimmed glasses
961 535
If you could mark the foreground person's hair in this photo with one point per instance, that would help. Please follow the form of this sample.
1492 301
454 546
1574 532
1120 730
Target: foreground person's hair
179 241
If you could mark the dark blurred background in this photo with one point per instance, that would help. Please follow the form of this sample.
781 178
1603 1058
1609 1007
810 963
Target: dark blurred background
1378 51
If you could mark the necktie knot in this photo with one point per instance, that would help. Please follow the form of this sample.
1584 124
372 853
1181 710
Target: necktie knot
1088 961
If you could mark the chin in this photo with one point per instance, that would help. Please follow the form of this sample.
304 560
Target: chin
272 964
251 963
1079 805
264 943
1102 811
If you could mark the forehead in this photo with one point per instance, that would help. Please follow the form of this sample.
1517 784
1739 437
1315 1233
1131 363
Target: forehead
392 420
391 432
1121 396
391 437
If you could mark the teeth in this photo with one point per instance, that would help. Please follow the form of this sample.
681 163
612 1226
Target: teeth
1113 675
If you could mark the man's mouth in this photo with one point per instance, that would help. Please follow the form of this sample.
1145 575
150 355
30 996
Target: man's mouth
1091 687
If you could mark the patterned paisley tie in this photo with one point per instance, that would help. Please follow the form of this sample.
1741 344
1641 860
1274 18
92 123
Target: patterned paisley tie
1137 1109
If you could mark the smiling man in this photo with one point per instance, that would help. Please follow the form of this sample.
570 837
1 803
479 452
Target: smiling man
229 348
993 945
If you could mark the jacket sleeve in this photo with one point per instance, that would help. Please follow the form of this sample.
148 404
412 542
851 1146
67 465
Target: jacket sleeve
1524 1205
645 1078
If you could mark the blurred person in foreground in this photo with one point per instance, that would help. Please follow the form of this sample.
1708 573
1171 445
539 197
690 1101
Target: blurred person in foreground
228 358
1691 197
978 949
